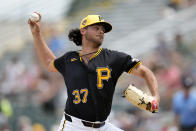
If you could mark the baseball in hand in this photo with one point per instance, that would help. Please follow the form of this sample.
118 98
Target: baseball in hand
34 17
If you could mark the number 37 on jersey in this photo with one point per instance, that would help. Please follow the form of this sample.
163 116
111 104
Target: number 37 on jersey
103 73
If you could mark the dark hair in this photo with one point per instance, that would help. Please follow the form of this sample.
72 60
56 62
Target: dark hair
75 36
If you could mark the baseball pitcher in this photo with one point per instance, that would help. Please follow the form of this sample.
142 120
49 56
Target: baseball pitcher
91 74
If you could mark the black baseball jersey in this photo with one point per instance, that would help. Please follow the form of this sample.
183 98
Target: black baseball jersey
90 87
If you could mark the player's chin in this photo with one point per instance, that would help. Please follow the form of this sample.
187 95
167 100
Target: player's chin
99 42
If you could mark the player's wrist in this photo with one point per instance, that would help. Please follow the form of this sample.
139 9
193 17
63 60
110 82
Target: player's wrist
157 98
36 34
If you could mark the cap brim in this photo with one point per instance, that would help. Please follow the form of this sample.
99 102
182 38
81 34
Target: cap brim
107 26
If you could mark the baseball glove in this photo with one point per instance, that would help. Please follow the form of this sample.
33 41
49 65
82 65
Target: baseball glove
140 99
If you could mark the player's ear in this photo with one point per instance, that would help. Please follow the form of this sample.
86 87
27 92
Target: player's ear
83 31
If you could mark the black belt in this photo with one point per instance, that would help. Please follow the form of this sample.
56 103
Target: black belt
88 124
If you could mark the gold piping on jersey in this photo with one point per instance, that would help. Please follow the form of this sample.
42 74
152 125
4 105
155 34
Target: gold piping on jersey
96 54
63 125
73 59
139 63
80 57
100 49
54 66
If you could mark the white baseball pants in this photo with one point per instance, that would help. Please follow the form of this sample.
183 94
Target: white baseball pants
77 125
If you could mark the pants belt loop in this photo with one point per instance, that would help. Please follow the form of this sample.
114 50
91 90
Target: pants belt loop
93 124
67 117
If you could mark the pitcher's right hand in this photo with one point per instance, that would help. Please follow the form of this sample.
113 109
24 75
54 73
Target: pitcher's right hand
35 26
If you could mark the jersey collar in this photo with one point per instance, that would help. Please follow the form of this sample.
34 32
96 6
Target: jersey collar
96 54
93 56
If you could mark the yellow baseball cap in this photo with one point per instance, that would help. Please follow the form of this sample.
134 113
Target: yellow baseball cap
95 19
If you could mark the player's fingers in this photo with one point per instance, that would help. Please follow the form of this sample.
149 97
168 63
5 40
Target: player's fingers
37 24
30 22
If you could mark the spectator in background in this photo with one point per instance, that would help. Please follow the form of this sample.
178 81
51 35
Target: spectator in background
184 106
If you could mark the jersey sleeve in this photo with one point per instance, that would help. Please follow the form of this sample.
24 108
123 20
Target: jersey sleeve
128 63
59 64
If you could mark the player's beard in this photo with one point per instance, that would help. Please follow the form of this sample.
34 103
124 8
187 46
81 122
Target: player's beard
96 39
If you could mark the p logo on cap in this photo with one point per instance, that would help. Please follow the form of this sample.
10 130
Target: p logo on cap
84 22
95 19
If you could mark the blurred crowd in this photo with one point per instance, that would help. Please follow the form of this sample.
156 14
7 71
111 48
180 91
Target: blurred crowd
21 86
173 64
28 89
32 99
174 6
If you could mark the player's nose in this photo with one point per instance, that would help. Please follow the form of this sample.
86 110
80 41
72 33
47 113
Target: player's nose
102 31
